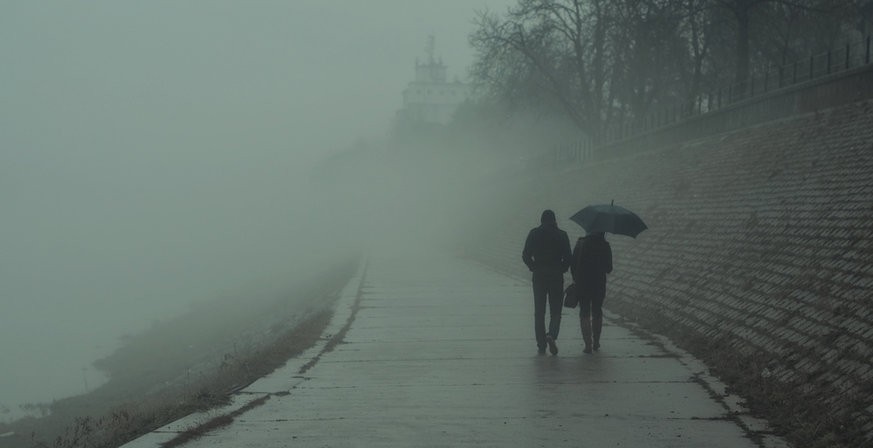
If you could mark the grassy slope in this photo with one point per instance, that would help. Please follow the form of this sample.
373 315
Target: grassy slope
187 364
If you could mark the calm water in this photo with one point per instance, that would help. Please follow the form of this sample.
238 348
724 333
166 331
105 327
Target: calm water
89 255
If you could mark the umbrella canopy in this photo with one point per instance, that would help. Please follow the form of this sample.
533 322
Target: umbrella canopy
609 218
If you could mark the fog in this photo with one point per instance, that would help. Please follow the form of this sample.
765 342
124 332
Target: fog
155 154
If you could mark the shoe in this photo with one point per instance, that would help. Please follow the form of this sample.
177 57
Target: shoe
553 348
596 346
587 350
541 350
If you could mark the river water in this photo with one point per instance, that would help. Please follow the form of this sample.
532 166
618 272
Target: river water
89 256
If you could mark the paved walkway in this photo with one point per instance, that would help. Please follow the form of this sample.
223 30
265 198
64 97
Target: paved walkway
441 354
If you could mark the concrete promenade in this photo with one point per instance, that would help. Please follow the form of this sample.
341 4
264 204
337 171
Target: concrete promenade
440 353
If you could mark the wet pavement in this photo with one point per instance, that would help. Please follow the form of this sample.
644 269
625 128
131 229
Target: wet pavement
441 354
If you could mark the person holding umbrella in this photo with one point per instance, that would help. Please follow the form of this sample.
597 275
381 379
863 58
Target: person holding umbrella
547 255
592 261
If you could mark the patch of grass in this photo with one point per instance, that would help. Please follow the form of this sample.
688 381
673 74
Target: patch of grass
213 424
157 378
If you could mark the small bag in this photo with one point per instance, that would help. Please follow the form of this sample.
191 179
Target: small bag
571 297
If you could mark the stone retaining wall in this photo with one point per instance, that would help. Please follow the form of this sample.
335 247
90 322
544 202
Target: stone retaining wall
759 259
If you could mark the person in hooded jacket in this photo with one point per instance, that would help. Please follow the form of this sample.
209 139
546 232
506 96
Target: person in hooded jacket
547 255
592 260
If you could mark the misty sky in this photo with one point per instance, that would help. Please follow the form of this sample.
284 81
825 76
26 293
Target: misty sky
220 73
152 152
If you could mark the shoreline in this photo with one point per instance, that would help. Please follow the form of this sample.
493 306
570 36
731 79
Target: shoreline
13 411
191 363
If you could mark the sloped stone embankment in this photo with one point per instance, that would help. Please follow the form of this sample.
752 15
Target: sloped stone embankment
759 258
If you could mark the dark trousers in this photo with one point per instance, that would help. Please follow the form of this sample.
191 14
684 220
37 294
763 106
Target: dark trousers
547 287
591 305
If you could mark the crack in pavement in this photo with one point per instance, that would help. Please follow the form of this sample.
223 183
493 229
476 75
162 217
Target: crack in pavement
224 420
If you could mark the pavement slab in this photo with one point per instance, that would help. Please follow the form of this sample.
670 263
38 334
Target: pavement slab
440 353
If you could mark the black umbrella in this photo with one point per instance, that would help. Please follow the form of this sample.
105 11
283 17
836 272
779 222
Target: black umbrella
609 218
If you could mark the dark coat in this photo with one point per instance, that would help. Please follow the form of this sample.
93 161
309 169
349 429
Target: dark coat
592 260
547 250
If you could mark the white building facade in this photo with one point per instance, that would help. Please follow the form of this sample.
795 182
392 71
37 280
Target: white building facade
430 98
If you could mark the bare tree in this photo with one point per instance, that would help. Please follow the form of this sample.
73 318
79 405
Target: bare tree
824 20
556 48
603 62
696 29
652 54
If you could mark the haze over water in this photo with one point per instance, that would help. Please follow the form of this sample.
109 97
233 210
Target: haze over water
158 153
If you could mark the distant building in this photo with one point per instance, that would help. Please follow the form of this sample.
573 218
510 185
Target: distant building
430 98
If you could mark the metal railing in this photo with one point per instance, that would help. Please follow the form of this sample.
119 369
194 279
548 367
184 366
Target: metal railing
851 56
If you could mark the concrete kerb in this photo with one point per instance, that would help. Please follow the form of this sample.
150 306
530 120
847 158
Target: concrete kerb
757 429
281 382
285 380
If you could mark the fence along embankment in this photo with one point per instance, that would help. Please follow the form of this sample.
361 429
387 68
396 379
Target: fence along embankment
759 258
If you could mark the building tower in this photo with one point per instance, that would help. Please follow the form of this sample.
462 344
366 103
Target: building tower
430 98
